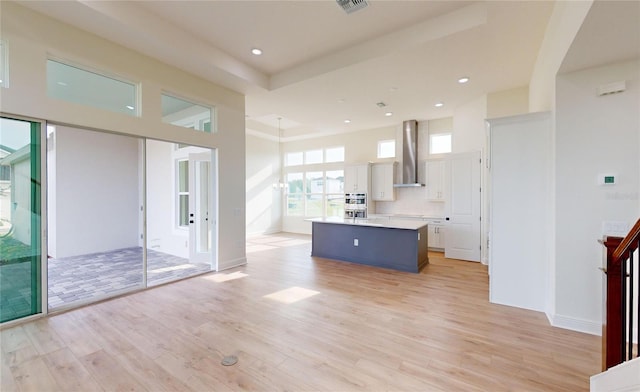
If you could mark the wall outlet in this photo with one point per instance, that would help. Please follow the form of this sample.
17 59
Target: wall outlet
355 242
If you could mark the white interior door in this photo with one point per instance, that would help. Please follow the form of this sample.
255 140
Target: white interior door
199 205
462 211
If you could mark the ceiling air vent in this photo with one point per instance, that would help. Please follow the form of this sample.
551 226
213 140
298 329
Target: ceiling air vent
350 6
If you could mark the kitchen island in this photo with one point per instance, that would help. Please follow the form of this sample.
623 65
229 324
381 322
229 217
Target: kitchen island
386 243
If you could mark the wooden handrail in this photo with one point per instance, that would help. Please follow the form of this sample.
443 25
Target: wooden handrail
629 244
617 325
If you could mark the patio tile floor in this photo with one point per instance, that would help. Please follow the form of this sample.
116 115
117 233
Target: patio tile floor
83 277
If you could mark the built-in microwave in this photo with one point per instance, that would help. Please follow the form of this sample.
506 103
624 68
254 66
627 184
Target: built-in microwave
355 205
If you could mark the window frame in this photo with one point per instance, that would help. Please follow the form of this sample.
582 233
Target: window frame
135 112
179 193
440 134
381 144
194 122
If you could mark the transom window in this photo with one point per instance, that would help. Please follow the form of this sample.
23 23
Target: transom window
386 149
178 111
314 157
74 84
440 143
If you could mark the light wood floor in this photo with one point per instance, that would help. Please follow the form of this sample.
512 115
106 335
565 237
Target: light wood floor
300 324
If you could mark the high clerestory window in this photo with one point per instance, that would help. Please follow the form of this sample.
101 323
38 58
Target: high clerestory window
440 143
187 114
80 85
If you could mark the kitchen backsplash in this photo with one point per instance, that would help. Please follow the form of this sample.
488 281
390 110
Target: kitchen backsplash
411 201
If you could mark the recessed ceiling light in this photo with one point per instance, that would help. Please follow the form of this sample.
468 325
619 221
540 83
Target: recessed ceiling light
439 105
388 114
347 121
463 80
130 107
256 51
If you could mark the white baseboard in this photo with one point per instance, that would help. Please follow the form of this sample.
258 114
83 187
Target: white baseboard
622 378
575 324
223 265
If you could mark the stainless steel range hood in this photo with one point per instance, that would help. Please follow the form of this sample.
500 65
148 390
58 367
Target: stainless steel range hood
409 155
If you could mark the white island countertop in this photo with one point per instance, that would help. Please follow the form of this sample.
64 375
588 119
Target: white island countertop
374 222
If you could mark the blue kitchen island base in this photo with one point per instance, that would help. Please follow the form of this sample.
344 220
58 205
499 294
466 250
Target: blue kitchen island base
403 249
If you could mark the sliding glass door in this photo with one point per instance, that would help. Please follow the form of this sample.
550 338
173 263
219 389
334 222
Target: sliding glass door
20 219
95 241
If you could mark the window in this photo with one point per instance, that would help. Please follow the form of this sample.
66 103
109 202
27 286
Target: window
77 85
182 187
440 143
334 189
315 193
295 203
335 154
186 114
386 149
312 157
319 190
293 159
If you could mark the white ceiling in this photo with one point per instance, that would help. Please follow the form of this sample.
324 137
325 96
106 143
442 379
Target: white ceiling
321 66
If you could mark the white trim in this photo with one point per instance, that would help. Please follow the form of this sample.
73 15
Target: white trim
223 265
621 378
575 324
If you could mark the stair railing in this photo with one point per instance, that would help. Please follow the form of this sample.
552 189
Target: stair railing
621 304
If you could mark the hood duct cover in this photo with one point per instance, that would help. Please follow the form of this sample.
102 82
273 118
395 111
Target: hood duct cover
409 155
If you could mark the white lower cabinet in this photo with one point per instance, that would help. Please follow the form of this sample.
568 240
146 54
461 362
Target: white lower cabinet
436 235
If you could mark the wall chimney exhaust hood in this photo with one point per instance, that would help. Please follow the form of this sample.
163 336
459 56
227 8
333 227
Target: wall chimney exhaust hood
409 155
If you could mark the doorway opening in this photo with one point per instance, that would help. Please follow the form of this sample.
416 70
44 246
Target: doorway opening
116 204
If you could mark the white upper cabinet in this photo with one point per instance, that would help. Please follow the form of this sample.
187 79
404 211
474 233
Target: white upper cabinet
383 177
357 178
435 180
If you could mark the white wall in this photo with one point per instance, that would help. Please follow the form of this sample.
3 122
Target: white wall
594 135
97 199
264 203
565 22
469 134
29 49
520 180
508 102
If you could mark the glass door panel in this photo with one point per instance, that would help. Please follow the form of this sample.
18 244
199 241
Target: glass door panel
20 219
95 220
199 228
